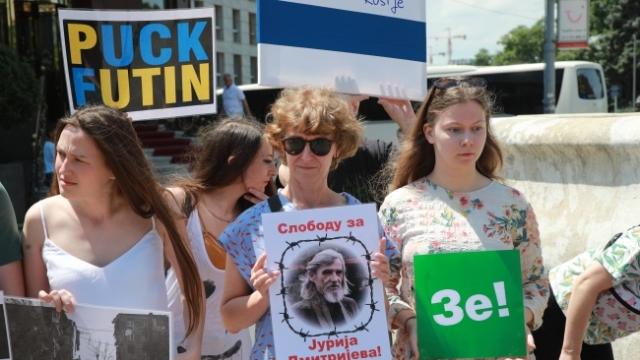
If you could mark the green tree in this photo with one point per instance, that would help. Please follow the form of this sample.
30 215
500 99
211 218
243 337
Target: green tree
613 23
19 92
483 57
522 45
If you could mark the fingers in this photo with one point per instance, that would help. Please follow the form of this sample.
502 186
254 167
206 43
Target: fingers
261 279
60 299
382 245
259 262
531 345
255 196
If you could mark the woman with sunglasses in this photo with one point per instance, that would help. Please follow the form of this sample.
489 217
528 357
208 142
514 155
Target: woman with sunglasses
233 167
446 198
313 129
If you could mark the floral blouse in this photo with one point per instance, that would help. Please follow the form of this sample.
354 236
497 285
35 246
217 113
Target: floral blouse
424 218
617 311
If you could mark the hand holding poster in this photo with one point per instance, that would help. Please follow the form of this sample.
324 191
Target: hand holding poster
358 47
38 331
459 318
325 303
150 64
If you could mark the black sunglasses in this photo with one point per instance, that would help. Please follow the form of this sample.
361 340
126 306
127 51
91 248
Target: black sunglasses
448 83
295 145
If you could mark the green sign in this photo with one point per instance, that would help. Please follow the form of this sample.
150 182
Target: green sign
470 305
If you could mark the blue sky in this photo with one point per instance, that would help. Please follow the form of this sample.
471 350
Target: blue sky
482 21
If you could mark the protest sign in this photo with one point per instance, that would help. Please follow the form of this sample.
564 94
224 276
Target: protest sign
5 349
470 305
325 303
151 64
358 47
38 331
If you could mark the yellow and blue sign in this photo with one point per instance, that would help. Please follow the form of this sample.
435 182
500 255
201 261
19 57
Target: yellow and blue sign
151 64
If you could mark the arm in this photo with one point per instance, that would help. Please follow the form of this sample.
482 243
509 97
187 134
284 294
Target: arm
35 271
585 292
535 282
245 107
11 279
242 307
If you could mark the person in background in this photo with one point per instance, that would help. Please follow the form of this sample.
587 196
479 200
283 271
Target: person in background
11 279
234 102
595 300
103 239
446 198
233 168
49 155
313 129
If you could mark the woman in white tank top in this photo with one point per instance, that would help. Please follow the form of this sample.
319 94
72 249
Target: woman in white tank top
233 168
96 241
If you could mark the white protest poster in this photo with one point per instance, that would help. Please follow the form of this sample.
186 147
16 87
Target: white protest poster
325 304
373 47
150 64
573 24
5 349
38 331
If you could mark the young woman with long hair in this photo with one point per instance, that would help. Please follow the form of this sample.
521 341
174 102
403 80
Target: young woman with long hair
446 197
104 236
233 167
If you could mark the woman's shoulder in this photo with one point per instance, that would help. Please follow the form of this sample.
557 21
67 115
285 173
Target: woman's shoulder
502 191
409 191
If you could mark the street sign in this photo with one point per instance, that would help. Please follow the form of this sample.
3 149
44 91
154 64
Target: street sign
573 24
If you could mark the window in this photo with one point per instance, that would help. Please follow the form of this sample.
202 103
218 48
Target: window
252 28
589 84
219 23
254 69
236 25
237 69
219 67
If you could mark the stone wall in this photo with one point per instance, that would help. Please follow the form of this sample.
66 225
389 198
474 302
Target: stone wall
581 174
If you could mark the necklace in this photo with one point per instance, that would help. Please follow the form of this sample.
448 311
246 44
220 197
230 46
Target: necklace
206 208
215 251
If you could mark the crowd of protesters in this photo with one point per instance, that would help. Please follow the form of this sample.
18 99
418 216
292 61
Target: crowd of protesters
110 235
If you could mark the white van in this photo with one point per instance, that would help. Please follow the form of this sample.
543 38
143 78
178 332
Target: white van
580 86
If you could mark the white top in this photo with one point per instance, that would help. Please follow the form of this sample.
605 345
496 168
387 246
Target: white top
216 342
232 98
134 280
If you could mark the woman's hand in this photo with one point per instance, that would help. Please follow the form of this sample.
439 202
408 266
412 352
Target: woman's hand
411 327
399 111
255 196
380 262
61 299
530 343
261 279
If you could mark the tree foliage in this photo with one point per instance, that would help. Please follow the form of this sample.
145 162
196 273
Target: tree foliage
522 45
19 91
